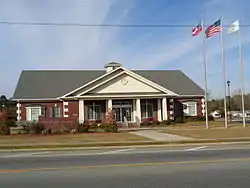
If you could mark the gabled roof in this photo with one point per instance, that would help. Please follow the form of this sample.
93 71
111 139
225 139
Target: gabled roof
174 80
36 84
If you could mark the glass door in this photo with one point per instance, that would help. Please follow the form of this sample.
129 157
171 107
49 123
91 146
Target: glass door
117 114
126 113
123 112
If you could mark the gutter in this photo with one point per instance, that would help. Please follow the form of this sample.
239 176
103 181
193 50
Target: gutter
41 99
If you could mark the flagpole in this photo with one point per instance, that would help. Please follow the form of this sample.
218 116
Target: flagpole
224 74
242 77
205 72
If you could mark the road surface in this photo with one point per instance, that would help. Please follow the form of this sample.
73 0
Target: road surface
194 166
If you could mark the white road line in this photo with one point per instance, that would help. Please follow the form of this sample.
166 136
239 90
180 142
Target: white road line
122 151
51 154
114 152
38 153
196 148
25 154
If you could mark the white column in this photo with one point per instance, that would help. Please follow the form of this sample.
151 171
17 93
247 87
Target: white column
138 111
164 109
159 110
18 111
81 111
109 104
134 111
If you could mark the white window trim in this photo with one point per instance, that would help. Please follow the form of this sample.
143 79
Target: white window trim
51 111
146 108
94 112
28 112
187 110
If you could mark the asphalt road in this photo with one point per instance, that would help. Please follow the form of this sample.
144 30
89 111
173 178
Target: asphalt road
214 166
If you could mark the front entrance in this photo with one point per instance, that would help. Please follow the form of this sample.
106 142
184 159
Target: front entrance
123 110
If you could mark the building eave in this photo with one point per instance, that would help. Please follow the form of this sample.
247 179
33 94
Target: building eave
132 96
35 99
189 96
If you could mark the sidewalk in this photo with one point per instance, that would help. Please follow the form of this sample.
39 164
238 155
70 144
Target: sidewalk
158 136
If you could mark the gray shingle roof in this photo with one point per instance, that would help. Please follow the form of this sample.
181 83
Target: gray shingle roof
173 80
35 84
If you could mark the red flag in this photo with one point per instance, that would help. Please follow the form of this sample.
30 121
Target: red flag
196 30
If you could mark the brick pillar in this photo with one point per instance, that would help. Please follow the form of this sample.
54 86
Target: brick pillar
18 111
171 109
65 109
203 106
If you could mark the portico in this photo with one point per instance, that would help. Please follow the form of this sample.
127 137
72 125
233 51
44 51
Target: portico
133 110
132 97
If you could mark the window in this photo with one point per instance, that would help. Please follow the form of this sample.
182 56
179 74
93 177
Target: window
94 112
55 112
121 103
43 111
147 110
33 113
190 108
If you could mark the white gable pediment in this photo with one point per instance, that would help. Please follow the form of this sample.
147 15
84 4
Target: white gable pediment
124 84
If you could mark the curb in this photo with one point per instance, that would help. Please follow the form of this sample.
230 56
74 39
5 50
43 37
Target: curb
118 144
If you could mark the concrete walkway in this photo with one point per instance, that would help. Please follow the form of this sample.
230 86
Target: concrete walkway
158 136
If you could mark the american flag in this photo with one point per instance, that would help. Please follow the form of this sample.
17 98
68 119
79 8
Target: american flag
214 28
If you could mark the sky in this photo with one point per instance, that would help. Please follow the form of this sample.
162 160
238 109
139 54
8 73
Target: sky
33 47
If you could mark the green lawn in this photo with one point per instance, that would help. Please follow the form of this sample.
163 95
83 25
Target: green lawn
213 133
70 138
201 125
